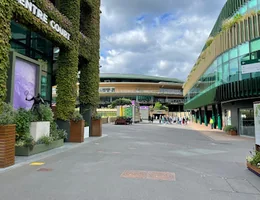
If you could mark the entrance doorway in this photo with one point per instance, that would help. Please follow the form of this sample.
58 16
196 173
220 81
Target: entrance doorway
246 122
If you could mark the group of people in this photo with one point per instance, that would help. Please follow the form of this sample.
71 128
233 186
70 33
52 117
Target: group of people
165 119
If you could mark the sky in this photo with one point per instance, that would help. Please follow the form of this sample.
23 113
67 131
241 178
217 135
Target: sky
155 37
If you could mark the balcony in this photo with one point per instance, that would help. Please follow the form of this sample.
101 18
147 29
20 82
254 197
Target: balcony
146 92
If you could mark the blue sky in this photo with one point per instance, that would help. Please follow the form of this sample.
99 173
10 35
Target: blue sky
155 37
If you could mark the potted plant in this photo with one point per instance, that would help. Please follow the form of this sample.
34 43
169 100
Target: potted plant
86 130
40 122
231 130
253 162
76 127
121 120
26 144
96 125
7 136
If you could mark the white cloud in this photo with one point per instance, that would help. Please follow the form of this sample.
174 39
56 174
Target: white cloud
154 38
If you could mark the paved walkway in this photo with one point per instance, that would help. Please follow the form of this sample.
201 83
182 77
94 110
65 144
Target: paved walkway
140 161
216 134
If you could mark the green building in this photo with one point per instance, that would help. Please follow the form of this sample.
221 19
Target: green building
45 43
225 81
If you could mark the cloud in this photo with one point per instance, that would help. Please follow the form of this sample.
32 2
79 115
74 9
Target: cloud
155 37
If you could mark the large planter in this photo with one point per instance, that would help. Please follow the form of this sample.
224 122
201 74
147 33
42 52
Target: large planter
77 131
96 128
120 121
64 125
39 148
253 169
39 129
86 132
233 133
7 145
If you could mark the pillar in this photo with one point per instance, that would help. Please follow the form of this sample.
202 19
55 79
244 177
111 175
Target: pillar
219 115
214 116
205 116
200 119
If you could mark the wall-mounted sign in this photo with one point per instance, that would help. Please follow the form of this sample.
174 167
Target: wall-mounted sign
44 17
106 89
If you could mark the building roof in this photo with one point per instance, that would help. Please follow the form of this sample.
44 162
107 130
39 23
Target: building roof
142 77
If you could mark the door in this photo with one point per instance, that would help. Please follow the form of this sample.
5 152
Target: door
246 122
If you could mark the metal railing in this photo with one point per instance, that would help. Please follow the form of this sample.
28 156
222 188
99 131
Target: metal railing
142 92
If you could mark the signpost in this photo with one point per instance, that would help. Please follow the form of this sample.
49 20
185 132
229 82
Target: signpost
257 124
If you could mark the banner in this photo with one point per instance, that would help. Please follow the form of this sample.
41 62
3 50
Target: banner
257 122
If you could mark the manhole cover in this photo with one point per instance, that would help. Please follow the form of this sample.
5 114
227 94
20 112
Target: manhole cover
161 176
44 170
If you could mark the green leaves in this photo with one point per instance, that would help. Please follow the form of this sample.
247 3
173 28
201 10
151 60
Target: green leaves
121 102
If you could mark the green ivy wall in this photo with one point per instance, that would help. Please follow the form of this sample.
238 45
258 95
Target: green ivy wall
85 45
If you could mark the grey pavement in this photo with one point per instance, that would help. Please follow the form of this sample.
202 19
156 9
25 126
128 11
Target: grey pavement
138 162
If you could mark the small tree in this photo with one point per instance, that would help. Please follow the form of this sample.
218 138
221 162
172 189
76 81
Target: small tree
121 102
159 106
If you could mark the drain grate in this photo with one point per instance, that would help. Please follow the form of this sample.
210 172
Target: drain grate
44 170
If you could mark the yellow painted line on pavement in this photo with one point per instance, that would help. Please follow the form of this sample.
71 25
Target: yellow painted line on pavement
37 163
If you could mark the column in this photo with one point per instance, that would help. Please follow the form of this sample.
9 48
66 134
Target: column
205 116
219 114
200 120
214 117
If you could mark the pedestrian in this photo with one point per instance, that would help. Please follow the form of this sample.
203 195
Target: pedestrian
211 123
152 119
149 118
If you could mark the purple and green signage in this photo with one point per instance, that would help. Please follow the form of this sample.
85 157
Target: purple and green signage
25 79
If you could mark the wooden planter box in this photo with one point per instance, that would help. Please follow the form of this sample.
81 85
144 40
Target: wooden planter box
253 169
77 131
232 133
96 128
120 121
39 148
7 145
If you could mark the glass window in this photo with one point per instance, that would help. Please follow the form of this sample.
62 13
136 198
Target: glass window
255 45
219 60
220 75
233 70
225 57
225 72
233 53
243 9
252 5
243 49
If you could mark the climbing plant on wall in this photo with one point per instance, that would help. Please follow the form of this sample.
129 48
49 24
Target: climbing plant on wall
68 66
5 34
89 77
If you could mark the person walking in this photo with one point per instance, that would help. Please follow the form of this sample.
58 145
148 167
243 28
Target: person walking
211 123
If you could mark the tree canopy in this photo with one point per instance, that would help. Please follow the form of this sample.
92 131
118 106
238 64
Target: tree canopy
159 106
121 102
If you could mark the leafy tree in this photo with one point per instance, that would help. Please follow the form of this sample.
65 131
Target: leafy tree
121 102
159 106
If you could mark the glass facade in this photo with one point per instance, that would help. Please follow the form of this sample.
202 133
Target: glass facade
34 46
226 68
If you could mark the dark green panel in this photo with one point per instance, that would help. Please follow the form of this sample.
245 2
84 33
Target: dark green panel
205 99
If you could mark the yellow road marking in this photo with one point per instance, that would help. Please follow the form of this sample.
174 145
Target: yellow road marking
37 163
